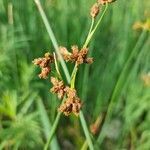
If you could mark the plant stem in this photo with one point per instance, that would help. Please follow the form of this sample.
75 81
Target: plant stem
91 33
53 39
53 129
86 131
85 145
82 119
54 42
56 66
91 27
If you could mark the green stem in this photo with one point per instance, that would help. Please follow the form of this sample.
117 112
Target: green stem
86 131
84 146
82 119
73 76
53 129
91 27
56 66
96 26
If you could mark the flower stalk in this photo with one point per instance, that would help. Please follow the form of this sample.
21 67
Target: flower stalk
71 102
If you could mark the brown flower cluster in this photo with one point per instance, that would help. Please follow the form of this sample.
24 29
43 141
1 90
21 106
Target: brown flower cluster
95 9
72 103
78 56
44 64
58 87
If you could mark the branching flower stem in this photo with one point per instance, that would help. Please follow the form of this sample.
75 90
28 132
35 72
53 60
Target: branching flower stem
71 79
92 31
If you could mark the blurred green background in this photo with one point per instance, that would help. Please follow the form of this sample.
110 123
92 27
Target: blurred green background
27 108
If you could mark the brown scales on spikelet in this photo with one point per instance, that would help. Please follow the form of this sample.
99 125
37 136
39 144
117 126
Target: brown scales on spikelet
94 10
72 103
44 64
58 87
78 56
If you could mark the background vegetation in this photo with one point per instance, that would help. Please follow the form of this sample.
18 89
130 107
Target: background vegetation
120 74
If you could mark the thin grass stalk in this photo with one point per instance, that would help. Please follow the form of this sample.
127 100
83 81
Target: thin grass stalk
84 146
84 125
52 37
46 124
82 119
120 84
92 31
53 129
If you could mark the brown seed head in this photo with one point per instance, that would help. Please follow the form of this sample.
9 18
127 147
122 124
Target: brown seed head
75 51
44 73
94 10
71 106
44 64
65 53
37 61
72 103
58 87
71 93
89 60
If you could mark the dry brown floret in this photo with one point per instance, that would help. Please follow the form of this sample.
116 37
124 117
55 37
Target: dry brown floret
78 56
44 64
58 87
64 52
94 10
71 105
44 72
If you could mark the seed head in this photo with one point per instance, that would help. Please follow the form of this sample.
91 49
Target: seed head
65 53
71 106
78 56
58 87
44 73
72 103
94 10
44 64
89 60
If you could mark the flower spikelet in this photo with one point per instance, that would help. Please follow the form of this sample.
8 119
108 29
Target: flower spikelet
72 103
65 53
44 64
78 56
94 10
58 87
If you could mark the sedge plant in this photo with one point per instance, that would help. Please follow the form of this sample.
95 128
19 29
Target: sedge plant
71 103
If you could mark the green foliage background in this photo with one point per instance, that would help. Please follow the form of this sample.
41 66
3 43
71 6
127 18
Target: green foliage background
27 108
